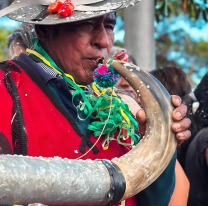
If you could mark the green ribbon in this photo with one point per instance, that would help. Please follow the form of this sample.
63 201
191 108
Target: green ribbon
97 108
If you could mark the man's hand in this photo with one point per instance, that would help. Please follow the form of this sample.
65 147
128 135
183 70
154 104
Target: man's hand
180 127
137 112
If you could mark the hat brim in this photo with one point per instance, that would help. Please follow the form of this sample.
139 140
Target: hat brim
29 13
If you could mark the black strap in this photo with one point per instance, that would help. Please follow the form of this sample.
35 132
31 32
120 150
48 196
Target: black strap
42 15
118 183
87 143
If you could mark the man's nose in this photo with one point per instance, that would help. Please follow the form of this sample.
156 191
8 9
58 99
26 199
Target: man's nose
100 38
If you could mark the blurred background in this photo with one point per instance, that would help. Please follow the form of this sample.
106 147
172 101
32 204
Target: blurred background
157 32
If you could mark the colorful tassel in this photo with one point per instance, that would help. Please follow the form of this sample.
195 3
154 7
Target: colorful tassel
105 76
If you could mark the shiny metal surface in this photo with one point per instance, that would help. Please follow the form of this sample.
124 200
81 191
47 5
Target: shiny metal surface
52 181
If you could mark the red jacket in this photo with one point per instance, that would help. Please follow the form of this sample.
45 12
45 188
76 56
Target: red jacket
49 131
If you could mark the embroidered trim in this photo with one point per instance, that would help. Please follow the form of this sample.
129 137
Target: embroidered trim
19 137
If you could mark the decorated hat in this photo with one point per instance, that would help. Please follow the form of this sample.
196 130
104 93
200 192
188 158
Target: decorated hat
50 12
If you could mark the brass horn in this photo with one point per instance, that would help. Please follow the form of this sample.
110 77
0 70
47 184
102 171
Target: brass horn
56 181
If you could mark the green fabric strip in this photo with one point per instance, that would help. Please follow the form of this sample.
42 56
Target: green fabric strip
97 108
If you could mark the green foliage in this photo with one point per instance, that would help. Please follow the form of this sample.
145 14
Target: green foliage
175 47
192 53
121 14
195 9
201 48
119 44
4 33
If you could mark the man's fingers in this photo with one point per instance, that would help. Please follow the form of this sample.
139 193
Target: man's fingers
183 136
137 112
142 130
176 100
141 117
133 105
181 125
179 112
180 128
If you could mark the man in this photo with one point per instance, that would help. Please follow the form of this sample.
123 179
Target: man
45 114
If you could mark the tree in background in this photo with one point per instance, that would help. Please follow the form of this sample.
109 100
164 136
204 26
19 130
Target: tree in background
6 28
4 33
180 35
194 8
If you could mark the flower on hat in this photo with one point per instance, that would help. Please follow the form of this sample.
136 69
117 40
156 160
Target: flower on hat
54 7
66 9
63 9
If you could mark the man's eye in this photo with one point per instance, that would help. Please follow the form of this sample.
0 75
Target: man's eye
87 24
111 27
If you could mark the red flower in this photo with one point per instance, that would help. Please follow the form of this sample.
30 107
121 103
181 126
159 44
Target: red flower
66 9
122 55
54 7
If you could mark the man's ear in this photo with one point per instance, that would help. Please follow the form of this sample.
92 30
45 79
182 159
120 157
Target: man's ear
43 32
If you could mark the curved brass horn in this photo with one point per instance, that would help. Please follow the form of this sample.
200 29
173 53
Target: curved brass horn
56 181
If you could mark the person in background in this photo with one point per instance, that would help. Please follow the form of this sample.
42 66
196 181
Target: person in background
196 164
176 82
20 40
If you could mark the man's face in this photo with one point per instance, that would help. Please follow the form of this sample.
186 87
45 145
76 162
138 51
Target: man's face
78 45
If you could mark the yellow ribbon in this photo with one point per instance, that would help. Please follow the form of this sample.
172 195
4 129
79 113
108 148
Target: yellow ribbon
97 91
49 64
